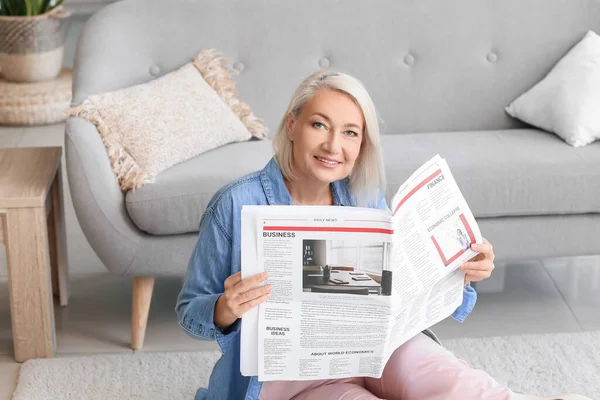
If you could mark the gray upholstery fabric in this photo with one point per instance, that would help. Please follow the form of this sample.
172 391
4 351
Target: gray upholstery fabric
507 172
176 200
535 237
98 201
514 238
430 65
100 209
502 177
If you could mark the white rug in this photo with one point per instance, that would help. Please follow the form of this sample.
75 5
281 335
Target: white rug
537 364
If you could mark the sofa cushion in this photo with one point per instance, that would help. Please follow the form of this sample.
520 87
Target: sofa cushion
505 172
175 201
500 173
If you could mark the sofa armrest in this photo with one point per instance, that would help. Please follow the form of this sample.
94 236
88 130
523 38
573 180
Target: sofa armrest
98 201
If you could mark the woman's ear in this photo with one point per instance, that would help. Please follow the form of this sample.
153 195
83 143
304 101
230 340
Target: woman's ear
289 124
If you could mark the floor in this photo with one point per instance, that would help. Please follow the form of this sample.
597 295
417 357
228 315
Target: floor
543 296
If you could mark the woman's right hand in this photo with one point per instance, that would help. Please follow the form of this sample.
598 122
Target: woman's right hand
240 296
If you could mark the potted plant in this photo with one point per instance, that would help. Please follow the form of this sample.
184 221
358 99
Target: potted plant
31 39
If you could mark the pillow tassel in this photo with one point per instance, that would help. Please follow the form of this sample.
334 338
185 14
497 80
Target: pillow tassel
212 65
129 175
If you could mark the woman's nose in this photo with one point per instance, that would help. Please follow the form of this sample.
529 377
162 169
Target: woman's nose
333 143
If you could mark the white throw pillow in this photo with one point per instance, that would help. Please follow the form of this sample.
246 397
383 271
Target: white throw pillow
152 126
567 100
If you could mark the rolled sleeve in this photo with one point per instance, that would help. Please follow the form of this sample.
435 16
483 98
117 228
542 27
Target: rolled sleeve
209 266
381 203
196 317
198 322
469 300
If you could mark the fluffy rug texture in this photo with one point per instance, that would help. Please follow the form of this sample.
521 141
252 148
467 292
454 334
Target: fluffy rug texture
545 365
537 364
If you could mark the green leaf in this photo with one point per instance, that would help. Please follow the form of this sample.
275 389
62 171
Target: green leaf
10 8
28 7
45 6
21 7
35 7
40 6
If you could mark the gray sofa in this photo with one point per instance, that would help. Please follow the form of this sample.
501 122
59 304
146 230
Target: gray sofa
440 74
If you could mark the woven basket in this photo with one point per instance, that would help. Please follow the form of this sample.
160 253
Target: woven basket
35 103
31 48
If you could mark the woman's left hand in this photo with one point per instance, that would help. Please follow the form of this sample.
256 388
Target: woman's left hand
481 266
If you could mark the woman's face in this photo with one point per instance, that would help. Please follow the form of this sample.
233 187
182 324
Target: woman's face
327 136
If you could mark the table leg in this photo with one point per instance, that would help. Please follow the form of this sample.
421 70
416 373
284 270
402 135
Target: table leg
29 283
52 251
57 242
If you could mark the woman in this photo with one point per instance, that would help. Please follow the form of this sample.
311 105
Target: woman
327 152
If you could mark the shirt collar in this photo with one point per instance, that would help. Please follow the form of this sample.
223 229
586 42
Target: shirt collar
277 193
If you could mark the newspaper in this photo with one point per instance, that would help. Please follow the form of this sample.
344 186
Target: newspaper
349 284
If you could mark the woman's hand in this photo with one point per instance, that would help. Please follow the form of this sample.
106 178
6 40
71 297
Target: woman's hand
240 296
482 265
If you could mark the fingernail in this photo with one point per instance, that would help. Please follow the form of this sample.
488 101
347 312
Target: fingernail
474 245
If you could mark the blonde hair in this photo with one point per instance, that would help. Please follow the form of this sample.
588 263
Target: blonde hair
367 179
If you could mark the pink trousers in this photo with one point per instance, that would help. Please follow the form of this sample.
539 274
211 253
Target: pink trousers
420 369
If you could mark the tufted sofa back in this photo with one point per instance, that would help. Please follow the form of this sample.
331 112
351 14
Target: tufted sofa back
430 65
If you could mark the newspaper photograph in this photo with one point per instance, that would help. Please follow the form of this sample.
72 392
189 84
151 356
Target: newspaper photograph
350 284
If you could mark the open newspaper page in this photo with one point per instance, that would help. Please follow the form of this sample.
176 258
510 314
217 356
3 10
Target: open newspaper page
434 229
350 285
327 316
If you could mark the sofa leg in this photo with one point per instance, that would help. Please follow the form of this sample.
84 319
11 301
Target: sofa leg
142 295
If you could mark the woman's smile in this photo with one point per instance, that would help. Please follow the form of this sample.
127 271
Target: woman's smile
327 162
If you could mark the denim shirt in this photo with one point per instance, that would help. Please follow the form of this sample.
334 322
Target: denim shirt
217 256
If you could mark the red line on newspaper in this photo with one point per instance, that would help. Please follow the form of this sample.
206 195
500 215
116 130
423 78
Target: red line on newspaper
469 231
419 186
441 253
327 229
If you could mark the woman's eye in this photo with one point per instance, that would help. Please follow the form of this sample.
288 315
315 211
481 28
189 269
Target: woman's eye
318 125
351 133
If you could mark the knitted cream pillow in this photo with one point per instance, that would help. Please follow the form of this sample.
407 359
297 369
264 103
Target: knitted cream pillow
150 127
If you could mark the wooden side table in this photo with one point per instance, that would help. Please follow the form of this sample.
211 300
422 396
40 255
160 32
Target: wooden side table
32 228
